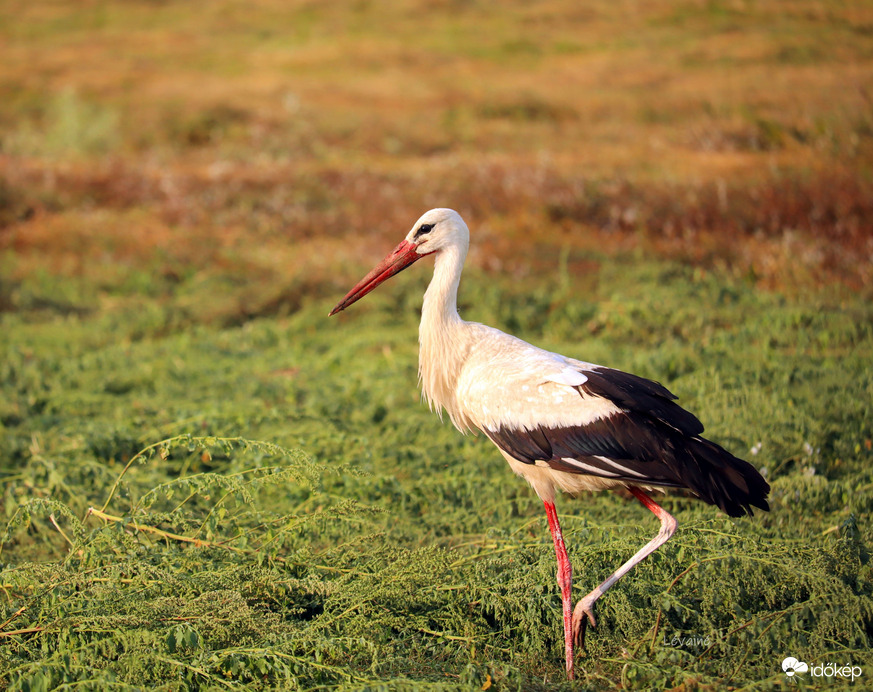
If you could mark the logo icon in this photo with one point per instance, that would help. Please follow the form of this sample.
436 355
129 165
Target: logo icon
792 666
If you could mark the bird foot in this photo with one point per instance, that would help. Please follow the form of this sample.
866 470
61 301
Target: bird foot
583 614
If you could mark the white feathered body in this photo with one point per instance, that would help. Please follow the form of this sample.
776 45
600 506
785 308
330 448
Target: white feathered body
486 379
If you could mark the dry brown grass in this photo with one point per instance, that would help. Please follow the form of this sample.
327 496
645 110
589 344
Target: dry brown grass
278 221
278 138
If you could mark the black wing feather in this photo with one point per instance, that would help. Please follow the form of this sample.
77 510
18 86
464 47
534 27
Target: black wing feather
635 393
652 441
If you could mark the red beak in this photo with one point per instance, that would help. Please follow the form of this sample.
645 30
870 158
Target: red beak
396 261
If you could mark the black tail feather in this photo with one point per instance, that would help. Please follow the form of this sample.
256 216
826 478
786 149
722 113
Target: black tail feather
721 479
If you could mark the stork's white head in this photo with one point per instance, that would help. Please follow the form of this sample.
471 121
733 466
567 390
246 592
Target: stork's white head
436 230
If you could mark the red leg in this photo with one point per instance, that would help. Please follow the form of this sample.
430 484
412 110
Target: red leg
584 612
565 581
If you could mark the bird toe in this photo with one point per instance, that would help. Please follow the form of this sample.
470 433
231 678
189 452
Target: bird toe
583 615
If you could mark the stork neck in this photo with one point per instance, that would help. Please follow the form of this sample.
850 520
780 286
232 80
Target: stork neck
441 298
442 336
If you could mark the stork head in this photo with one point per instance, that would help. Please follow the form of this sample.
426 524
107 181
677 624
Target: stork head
436 230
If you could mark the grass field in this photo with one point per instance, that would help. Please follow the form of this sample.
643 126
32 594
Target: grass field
207 484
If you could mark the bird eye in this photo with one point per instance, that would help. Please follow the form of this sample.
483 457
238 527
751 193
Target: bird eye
423 229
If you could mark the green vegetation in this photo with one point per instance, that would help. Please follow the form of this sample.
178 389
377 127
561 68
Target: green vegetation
378 544
207 484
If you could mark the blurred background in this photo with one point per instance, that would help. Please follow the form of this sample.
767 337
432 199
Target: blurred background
269 150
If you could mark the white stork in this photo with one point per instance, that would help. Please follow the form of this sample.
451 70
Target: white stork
561 423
